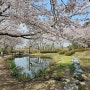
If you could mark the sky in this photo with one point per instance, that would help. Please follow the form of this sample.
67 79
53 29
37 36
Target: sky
65 1
47 2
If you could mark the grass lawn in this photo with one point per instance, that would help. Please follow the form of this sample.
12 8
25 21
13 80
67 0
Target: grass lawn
62 64
59 64
56 58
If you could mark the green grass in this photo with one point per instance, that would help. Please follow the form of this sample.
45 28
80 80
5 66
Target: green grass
56 58
59 62
13 67
40 73
14 71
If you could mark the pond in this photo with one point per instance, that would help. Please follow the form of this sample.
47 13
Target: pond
31 65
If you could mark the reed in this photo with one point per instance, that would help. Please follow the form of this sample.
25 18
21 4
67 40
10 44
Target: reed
15 72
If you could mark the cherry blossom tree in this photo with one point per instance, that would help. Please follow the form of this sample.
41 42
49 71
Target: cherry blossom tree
80 36
44 23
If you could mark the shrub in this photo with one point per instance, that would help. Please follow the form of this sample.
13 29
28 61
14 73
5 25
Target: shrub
45 51
24 77
34 51
80 50
15 73
40 73
58 49
69 53
13 68
72 47
62 52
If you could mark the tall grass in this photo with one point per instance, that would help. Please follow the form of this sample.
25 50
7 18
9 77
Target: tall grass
13 68
40 73
71 67
14 71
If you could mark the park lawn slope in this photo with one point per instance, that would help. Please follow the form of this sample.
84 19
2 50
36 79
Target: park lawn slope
59 65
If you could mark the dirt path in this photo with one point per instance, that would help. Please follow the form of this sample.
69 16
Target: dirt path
5 74
7 82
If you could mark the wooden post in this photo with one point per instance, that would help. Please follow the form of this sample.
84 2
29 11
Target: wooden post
29 50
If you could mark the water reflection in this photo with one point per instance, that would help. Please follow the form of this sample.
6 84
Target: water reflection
31 65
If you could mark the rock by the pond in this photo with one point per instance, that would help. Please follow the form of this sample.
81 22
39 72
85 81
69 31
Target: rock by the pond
85 77
66 80
82 77
78 77
46 77
48 70
77 82
71 86
51 82
54 74
77 66
75 61
78 71
57 78
83 84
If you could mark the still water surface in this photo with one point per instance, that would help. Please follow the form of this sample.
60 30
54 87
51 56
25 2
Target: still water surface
31 65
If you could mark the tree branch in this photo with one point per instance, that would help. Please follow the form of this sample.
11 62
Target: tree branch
21 35
1 12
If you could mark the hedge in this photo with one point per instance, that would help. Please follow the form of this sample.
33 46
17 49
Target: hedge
62 52
44 51
69 53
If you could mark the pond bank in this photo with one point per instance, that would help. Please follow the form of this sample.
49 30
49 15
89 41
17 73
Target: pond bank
7 82
5 74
